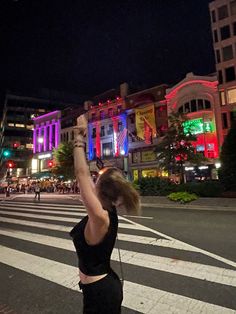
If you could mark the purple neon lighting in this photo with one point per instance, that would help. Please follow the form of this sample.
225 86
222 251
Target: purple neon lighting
39 144
46 115
45 141
50 137
34 141
56 134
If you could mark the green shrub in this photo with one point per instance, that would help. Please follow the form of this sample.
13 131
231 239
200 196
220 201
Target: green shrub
204 189
182 197
154 186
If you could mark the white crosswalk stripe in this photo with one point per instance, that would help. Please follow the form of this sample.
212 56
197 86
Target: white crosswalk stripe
138 297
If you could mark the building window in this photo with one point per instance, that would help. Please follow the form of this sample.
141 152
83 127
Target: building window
220 77
102 133
107 150
120 126
132 118
19 125
215 36
233 7
218 59
224 120
72 135
227 53
11 124
93 117
94 133
229 74
234 28
193 105
232 116
225 32
213 16
119 108
110 129
231 93
222 12
181 109
102 114
222 98
207 104
110 112
200 104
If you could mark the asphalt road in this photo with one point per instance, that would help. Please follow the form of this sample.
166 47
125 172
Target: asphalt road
174 260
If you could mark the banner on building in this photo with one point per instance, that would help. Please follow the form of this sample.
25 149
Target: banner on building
145 117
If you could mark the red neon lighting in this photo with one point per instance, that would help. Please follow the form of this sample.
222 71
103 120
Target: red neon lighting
98 140
173 93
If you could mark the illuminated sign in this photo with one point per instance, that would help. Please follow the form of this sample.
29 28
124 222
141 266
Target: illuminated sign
197 126
42 156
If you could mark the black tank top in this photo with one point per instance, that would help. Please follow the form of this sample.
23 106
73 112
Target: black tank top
95 259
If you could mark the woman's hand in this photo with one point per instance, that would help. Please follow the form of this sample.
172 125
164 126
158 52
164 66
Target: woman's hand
82 124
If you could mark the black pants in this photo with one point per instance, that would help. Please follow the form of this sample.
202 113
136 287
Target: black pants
37 194
103 296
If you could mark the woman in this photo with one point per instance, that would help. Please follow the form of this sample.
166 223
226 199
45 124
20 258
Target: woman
94 236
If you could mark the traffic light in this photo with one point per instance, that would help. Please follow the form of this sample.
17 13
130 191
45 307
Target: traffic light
6 153
50 163
10 164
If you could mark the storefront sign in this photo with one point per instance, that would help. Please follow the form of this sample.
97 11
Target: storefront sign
149 173
197 126
42 156
145 114
148 155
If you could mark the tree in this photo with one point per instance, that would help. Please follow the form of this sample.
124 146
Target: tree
175 148
227 172
63 161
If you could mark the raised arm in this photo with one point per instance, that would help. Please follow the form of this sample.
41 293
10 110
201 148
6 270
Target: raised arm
93 206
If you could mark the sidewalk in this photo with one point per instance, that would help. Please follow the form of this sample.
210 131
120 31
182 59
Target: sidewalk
206 203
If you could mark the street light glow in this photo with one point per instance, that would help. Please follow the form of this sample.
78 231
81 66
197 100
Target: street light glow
40 140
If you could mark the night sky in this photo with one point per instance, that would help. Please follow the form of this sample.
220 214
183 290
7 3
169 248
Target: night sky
87 47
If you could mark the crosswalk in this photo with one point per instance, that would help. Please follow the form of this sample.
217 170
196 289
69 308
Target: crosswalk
162 274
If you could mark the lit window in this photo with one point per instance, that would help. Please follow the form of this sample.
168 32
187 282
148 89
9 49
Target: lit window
231 95
30 127
18 125
29 146
41 110
11 124
222 98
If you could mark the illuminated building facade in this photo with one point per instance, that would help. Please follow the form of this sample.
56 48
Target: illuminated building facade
107 133
197 97
149 104
46 137
223 24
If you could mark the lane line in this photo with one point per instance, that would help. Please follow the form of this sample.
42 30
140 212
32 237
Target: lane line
207 253
136 297
184 268
140 217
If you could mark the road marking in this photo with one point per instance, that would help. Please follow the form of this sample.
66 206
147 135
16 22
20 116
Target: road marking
58 227
141 217
189 269
163 235
35 205
136 297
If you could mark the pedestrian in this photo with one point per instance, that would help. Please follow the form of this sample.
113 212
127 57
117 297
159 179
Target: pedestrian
95 235
37 191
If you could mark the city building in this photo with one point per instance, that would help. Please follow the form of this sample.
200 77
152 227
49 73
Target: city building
223 24
146 122
16 130
197 97
46 137
107 129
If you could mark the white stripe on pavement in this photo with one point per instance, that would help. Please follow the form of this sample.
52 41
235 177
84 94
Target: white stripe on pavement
42 211
38 206
54 227
123 237
136 297
163 235
179 267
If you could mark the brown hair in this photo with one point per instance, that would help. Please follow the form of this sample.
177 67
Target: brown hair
112 188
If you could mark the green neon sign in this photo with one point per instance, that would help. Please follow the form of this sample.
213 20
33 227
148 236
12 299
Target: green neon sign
197 126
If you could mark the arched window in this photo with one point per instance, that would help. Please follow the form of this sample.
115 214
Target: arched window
195 105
